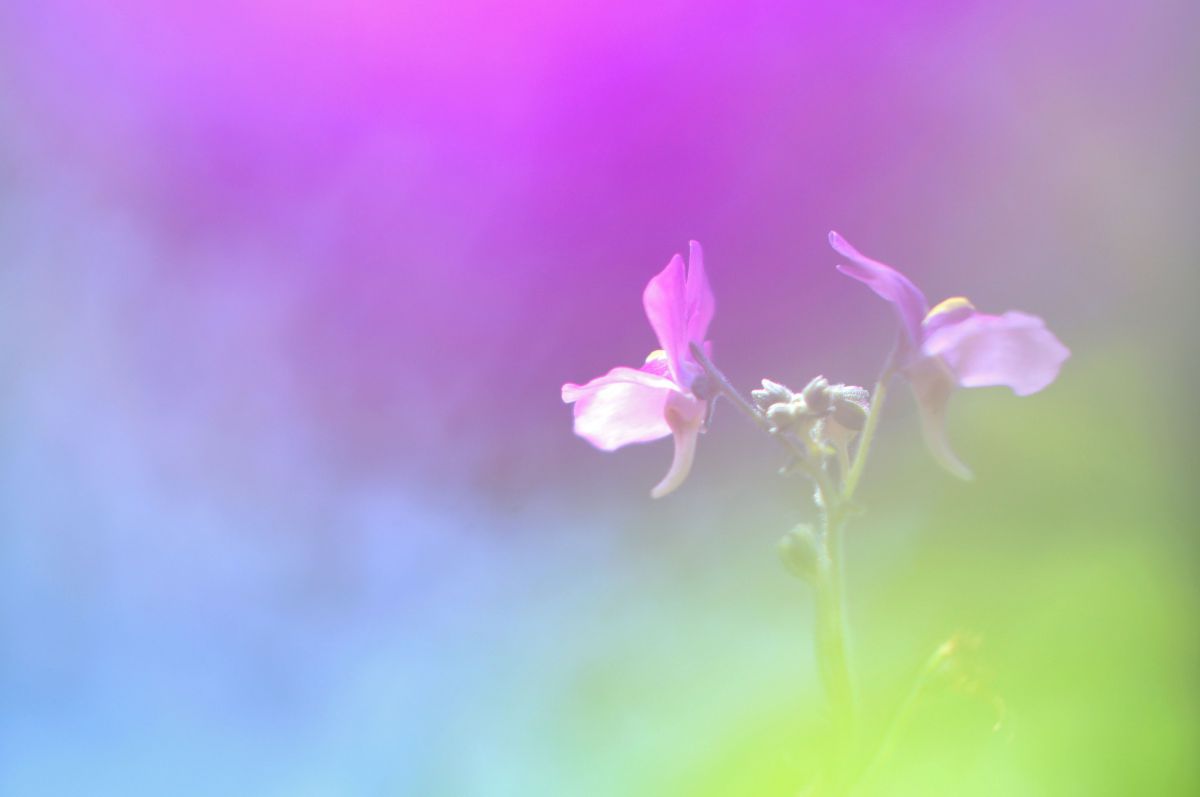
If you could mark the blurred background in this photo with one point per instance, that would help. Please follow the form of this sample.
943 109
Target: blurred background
289 502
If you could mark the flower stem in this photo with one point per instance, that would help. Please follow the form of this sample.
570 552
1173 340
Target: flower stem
831 619
831 646
729 391
830 593
864 443
831 643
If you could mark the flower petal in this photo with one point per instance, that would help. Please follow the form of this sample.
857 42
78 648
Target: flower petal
624 406
888 283
665 303
685 416
1015 350
932 385
700 302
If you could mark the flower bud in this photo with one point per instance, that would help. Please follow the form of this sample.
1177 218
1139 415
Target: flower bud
849 414
771 393
785 415
798 552
859 395
817 396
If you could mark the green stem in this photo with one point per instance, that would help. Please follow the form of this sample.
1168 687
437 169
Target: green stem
831 620
831 645
868 432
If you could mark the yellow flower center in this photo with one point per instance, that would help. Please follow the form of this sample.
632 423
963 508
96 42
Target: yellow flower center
952 305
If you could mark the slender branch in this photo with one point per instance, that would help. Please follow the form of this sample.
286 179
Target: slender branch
730 392
864 443
831 643
831 637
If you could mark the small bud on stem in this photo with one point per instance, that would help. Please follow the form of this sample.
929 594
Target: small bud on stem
798 549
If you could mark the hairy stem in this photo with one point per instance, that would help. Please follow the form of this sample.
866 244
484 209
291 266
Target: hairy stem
831 646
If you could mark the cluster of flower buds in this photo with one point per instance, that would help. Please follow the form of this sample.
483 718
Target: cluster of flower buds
833 412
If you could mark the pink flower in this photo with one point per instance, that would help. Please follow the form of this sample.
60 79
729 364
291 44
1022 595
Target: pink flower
637 405
954 346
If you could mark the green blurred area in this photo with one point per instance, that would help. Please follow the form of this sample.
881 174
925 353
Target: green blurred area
1070 559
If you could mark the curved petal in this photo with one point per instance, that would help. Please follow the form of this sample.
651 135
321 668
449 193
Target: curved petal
699 296
1015 350
664 300
685 416
888 283
932 386
624 406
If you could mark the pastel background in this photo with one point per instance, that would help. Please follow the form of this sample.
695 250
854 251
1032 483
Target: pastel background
289 504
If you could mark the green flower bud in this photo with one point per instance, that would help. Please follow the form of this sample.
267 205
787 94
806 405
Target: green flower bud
859 395
798 552
771 393
816 395
849 414
784 416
